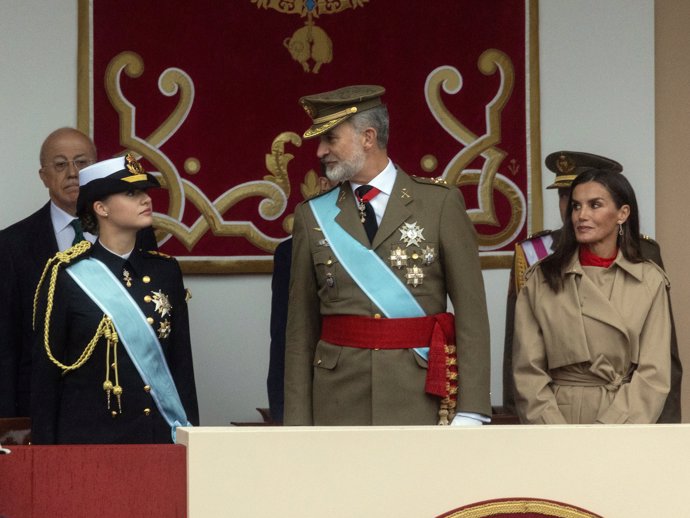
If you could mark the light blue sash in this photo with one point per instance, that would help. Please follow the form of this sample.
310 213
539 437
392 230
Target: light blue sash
136 335
366 268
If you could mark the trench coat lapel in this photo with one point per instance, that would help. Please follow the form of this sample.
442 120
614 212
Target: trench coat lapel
593 303
348 217
397 210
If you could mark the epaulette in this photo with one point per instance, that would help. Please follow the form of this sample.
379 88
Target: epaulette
530 271
160 254
537 234
658 268
645 237
320 194
441 182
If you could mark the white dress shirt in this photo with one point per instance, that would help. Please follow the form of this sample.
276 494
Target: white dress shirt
64 232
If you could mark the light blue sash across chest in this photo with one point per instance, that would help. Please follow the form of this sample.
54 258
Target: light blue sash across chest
137 336
365 267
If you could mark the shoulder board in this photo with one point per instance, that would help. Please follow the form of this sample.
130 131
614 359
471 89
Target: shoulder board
441 182
541 233
74 253
156 253
320 194
645 237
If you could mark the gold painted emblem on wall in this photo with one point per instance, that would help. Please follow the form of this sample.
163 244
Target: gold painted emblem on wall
310 45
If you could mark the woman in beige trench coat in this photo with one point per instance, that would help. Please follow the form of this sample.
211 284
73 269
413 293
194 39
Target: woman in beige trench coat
592 323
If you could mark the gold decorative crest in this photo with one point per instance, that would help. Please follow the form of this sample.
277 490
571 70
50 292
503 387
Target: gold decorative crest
309 44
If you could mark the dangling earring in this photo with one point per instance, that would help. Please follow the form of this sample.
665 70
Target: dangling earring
620 229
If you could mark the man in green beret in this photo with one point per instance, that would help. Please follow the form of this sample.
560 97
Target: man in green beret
567 165
370 340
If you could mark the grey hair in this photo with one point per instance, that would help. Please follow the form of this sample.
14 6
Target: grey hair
376 118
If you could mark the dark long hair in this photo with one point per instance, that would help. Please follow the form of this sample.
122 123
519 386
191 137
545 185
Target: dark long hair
622 193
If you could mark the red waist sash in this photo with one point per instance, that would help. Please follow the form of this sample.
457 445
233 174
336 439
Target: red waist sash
435 331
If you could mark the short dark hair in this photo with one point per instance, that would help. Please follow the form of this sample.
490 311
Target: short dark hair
376 118
622 193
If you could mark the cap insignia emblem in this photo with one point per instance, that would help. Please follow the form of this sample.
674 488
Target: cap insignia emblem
565 165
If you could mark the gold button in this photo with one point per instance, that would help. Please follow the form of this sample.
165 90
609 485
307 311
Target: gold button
147 298
318 362
329 262
146 279
114 414
377 315
415 256
149 320
113 365
147 411
147 388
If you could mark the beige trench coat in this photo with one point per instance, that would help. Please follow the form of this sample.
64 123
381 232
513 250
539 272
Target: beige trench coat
598 351
326 384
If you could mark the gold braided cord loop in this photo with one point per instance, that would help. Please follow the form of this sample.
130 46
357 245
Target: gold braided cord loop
63 258
106 326
54 262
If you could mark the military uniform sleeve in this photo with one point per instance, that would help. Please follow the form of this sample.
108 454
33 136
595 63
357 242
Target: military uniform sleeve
642 400
535 402
303 327
465 286
45 375
179 357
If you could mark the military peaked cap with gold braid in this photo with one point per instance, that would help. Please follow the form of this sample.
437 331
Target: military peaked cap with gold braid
569 164
111 177
329 109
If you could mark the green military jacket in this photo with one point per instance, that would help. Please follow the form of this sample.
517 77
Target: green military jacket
326 384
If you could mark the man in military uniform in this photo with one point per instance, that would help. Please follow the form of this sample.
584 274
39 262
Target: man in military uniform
568 165
369 339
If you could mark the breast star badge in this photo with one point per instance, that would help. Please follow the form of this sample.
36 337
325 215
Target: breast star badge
162 303
398 257
415 276
429 254
411 234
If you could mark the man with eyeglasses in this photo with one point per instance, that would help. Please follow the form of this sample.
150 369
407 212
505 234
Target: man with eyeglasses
26 247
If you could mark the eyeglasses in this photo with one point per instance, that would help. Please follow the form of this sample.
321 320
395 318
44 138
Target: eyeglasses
79 164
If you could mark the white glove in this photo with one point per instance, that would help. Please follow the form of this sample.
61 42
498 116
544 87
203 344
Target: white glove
469 419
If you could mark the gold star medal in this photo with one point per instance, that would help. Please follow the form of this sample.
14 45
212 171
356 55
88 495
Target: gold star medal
411 234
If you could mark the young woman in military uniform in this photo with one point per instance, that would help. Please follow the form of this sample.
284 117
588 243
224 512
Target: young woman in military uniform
113 356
